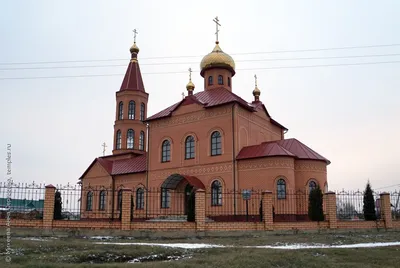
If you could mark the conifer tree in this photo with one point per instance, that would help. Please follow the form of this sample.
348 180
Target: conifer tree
191 215
369 204
57 206
315 208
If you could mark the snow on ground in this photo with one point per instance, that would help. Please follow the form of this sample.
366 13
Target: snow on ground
171 245
284 246
101 237
36 238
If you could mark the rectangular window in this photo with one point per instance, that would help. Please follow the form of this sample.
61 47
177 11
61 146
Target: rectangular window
165 198
102 203
140 199
142 112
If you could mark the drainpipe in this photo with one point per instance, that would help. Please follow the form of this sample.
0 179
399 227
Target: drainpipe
234 159
113 197
147 164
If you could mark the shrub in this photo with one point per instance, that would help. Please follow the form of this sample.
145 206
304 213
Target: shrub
315 208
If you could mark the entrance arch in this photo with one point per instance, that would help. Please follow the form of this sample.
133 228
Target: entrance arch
193 183
173 181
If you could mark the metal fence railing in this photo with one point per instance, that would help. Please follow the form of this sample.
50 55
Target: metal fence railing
241 205
74 202
290 206
23 200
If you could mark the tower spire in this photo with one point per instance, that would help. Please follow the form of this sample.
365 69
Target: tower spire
133 77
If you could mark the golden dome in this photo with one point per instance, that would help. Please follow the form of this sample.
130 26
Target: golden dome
256 92
217 58
134 48
190 86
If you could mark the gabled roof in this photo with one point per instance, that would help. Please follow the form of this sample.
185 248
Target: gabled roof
287 147
212 98
135 164
259 106
133 78
207 98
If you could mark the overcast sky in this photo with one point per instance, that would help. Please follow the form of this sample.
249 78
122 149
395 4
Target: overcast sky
349 114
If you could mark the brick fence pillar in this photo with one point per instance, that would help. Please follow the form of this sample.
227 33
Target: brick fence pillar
200 210
48 210
126 209
330 209
267 212
386 210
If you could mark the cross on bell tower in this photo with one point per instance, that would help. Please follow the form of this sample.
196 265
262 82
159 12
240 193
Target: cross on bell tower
216 20
135 32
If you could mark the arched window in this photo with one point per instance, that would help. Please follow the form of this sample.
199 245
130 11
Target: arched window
131 110
102 200
210 80
89 201
121 111
220 80
119 200
229 81
216 143
216 193
141 141
118 140
312 185
189 148
140 198
281 189
130 139
166 151
142 110
165 198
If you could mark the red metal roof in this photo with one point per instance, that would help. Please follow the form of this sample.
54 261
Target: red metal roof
135 164
259 106
130 165
106 164
212 98
208 98
287 147
263 150
133 78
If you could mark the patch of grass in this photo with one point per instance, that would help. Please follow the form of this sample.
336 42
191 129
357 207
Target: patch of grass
78 252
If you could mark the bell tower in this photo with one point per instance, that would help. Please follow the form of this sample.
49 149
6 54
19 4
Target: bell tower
131 109
217 67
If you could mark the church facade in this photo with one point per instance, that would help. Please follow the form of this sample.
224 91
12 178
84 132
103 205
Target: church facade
212 139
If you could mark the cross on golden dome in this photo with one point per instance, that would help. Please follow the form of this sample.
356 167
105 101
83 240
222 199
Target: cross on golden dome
134 49
256 91
190 86
190 74
216 20
135 32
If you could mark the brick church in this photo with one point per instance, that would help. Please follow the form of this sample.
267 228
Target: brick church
212 139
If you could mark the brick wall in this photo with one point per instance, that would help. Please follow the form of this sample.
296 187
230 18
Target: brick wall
201 223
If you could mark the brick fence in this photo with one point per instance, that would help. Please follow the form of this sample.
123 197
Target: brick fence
201 223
